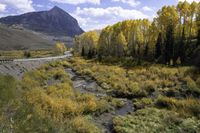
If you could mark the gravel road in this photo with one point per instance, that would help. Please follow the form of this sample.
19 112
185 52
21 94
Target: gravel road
18 67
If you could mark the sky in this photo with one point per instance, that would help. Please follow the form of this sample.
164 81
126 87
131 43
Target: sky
91 14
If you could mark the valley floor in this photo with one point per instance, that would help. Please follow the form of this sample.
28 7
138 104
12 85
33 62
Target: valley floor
85 96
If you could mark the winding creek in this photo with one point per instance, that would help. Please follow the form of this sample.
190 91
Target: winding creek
86 84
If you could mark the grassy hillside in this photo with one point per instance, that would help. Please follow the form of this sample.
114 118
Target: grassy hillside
17 39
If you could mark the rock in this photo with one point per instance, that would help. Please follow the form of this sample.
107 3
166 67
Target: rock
54 22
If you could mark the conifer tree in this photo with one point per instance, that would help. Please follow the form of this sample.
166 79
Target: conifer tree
83 51
169 44
158 46
182 47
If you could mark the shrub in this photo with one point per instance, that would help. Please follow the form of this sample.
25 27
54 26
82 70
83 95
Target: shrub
58 74
27 54
118 103
89 102
191 86
83 125
198 82
141 103
151 120
135 90
149 86
7 89
165 102
34 78
186 107
27 120
190 125
102 107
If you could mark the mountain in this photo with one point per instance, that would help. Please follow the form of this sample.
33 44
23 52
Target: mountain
19 39
55 22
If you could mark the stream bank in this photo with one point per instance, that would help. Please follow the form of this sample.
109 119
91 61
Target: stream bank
86 84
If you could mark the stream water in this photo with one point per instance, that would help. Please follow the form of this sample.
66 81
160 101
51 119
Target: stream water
86 84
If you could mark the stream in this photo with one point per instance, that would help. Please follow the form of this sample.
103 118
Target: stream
86 84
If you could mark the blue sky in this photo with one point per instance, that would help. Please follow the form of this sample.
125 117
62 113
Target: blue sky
91 14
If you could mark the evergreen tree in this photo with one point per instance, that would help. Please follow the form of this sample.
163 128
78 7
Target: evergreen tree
89 56
158 46
169 44
83 51
198 27
182 47
146 50
27 54
198 37
99 57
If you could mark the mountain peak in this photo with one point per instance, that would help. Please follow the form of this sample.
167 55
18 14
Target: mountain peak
53 22
56 8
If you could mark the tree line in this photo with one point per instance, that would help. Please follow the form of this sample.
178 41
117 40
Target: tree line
173 37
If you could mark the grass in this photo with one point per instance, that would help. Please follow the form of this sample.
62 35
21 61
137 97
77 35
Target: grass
166 99
44 107
83 125
142 103
185 107
141 81
23 54
7 89
151 120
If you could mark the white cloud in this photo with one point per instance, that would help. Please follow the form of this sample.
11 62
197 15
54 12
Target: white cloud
146 8
21 6
190 1
38 5
2 7
76 2
111 12
132 3
96 18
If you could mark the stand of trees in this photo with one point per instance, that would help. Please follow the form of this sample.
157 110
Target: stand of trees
60 48
171 38
86 44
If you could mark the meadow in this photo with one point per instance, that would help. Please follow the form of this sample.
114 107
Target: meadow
18 54
164 97
45 100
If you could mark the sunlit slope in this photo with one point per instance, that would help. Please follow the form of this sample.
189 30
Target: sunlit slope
17 39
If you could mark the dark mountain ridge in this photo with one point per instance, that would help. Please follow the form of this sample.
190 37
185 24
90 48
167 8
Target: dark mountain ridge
54 22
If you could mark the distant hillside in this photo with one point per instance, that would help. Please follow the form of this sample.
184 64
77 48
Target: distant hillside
16 39
55 22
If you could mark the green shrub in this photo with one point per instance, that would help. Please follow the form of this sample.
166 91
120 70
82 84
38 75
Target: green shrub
135 90
149 86
191 86
186 107
8 86
141 103
118 103
102 107
198 82
151 120
83 125
165 102
28 120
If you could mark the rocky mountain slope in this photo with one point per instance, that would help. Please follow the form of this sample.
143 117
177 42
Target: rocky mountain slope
55 22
